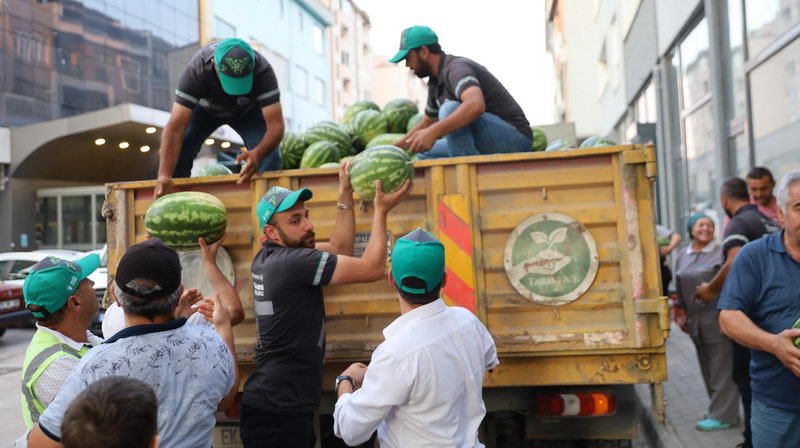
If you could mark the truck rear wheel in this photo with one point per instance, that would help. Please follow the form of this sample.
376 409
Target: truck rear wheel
552 444
609 443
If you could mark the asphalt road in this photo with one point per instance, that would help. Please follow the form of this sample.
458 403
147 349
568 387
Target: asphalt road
12 352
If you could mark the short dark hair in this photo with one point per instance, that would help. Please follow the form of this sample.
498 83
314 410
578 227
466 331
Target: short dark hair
760 172
433 48
418 299
735 188
113 412
49 320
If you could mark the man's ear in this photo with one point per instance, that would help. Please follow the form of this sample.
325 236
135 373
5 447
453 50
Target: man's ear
444 279
73 302
391 279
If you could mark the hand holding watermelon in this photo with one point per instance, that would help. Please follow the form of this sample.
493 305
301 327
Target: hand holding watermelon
164 185
385 202
209 251
344 178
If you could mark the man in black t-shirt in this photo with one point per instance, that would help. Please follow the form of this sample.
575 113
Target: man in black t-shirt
747 224
224 83
469 112
288 274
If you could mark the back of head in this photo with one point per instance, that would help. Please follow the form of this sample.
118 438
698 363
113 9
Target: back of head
148 279
113 412
418 267
760 172
735 189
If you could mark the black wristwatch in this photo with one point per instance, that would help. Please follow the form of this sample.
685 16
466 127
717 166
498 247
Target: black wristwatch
341 378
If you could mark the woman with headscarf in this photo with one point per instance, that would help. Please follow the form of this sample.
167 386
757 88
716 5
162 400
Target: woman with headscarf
695 264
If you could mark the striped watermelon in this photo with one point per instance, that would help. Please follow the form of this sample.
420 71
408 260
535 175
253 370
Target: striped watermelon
319 153
292 148
215 169
357 107
416 118
331 132
179 219
365 126
595 142
330 165
558 144
389 164
384 139
398 112
539 140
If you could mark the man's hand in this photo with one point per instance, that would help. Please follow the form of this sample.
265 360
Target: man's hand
356 371
680 319
344 178
252 159
209 251
188 298
164 185
783 348
384 203
422 140
215 311
704 292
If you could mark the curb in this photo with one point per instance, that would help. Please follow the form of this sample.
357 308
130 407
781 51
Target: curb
656 434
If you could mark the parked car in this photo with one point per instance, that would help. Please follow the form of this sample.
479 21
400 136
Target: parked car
12 307
15 266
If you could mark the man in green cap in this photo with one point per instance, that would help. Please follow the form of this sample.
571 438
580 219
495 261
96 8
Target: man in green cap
469 112
226 82
423 385
285 387
61 298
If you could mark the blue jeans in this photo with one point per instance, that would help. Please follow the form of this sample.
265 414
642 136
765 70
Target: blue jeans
773 427
489 134
250 126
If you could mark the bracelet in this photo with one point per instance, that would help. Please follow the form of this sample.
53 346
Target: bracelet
341 206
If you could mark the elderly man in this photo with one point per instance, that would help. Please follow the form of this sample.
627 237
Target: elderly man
191 367
423 385
759 305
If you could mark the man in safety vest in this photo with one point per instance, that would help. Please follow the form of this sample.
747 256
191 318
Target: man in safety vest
62 300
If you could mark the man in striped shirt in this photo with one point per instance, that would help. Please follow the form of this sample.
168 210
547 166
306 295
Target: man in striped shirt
226 82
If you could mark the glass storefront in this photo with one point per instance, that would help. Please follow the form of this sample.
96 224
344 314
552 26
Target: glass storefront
71 218
767 20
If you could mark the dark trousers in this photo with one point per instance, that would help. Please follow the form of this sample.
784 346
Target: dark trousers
269 430
250 126
741 376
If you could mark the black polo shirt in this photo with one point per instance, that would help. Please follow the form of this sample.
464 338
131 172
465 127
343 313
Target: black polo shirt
290 313
199 85
746 225
456 74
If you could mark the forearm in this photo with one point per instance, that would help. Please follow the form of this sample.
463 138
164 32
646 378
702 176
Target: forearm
741 329
464 114
171 142
716 283
343 237
225 331
270 141
227 293
375 253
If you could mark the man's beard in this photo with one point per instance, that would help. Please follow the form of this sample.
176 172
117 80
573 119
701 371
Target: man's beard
424 69
306 241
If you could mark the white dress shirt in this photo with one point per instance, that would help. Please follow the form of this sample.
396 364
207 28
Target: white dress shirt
423 384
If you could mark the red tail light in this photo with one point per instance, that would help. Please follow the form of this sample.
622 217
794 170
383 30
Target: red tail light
580 404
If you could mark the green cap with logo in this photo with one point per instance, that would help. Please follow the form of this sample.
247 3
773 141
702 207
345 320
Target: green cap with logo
418 254
235 62
279 199
53 280
414 37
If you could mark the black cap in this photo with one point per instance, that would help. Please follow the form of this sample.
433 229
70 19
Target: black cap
150 260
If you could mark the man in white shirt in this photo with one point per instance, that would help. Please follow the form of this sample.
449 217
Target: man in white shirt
423 385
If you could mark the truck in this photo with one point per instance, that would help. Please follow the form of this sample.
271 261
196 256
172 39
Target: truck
555 252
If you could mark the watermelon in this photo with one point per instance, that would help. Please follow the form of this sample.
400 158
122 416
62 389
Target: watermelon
331 132
215 169
357 107
398 112
179 219
389 164
557 144
365 126
292 147
319 153
330 165
539 139
384 139
416 118
596 141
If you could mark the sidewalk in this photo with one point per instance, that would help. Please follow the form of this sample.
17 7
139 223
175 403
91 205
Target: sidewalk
686 400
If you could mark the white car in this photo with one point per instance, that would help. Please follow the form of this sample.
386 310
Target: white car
15 266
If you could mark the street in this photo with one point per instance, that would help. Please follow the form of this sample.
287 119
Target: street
12 352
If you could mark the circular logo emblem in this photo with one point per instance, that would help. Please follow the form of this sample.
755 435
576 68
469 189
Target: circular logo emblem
551 259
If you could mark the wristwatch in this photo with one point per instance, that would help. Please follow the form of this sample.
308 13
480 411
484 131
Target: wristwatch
341 378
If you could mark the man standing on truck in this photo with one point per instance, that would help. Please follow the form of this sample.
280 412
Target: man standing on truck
469 112
284 389
747 224
226 82
423 385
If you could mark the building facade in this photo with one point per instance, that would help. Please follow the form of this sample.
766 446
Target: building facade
352 58
714 83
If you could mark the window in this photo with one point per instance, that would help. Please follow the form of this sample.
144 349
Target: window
300 20
767 20
71 218
735 23
223 29
318 39
319 91
301 86
695 69
345 58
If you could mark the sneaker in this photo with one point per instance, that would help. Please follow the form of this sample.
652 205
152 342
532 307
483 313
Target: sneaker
711 424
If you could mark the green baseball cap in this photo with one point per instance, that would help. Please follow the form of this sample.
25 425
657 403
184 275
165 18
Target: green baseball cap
418 254
53 280
235 62
414 37
279 199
